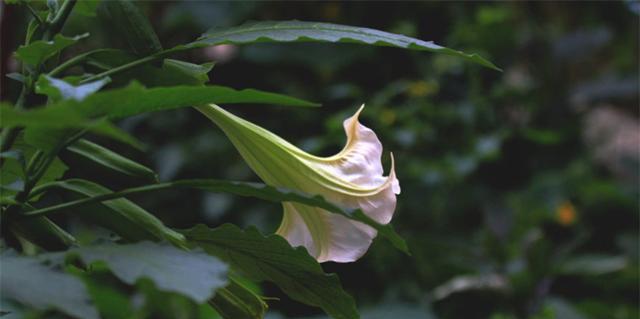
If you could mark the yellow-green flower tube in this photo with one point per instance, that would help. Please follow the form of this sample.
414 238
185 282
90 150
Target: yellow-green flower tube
353 178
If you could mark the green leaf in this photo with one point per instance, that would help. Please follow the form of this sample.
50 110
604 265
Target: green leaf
273 194
134 100
16 77
110 301
191 273
57 89
238 301
12 173
300 31
28 282
44 233
86 7
42 122
38 52
196 72
257 190
271 258
121 216
132 25
113 160
593 265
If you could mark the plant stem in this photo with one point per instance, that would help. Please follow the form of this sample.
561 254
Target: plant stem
94 199
59 20
34 14
129 65
74 61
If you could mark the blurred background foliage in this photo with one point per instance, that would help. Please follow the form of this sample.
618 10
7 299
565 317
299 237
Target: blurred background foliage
519 189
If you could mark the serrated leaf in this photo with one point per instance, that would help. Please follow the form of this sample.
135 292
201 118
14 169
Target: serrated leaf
57 89
302 31
191 273
37 52
271 258
28 282
113 160
121 216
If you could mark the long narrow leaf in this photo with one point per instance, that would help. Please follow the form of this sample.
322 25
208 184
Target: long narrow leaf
136 99
110 159
302 31
257 190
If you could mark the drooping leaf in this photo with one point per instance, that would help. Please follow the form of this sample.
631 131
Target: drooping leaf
26 281
57 89
113 160
271 258
302 31
121 216
191 273
37 52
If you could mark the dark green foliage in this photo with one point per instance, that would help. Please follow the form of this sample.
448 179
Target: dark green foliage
519 189
271 258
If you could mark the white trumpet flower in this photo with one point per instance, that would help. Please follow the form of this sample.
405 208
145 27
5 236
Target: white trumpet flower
352 178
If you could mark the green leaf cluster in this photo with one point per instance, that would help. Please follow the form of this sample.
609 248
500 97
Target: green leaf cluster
209 271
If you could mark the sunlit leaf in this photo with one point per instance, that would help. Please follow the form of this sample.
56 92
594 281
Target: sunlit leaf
28 282
191 273
57 89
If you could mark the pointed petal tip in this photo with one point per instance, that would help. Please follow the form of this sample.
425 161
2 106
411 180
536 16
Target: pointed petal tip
395 184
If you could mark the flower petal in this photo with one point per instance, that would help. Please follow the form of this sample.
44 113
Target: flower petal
352 178
326 236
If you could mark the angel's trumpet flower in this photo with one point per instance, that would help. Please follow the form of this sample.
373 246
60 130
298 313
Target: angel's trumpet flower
352 178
